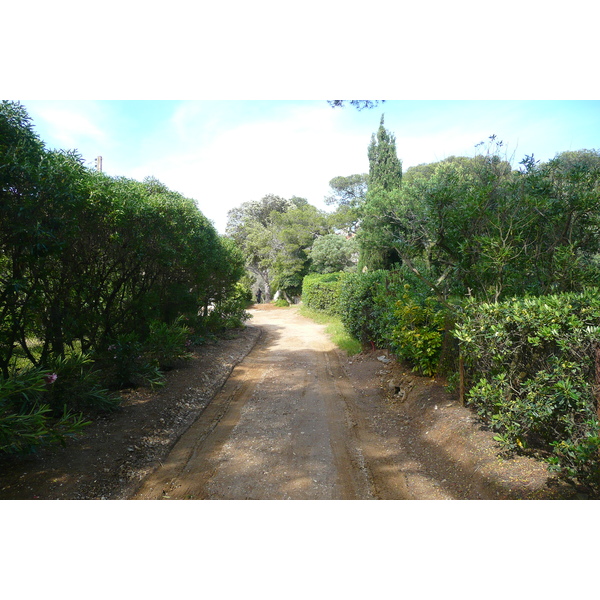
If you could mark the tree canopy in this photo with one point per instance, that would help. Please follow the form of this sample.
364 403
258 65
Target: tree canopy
275 235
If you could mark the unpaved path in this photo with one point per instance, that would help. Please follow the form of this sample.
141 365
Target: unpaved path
298 419
281 427
275 411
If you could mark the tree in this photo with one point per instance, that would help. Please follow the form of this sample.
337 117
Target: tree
474 226
333 253
275 235
385 169
86 258
348 195
251 226
385 176
296 231
347 191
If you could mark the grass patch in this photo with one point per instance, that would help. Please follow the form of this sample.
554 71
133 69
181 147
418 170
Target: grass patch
335 329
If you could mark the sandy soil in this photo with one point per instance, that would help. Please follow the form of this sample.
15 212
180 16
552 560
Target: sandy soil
279 413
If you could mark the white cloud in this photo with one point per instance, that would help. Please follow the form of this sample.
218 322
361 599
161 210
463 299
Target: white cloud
294 153
69 126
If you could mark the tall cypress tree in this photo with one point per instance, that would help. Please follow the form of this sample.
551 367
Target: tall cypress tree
385 169
385 176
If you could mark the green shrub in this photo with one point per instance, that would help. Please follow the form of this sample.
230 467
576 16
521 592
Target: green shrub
418 332
321 292
530 366
231 312
168 344
356 305
26 419
78 386
125 364
393 310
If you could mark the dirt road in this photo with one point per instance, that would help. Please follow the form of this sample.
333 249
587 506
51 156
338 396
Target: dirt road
298 419
281 427
276 411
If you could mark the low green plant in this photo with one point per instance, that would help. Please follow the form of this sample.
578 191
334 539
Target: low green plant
281 303
577 460
356 304
418 332
26 420
125 364
78 386
231 312
168 344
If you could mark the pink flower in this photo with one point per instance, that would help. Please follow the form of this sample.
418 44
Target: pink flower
51 378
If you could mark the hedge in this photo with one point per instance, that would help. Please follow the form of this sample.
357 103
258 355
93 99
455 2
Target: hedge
321 292
531 375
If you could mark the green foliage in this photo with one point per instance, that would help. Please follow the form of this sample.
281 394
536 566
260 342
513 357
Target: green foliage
281 303
348 195
168 344
418 332
385 169
332 253
94 262
321 292
26 420
356 305
275 236
479 228
390 309
79 386
127 365
231 313
531 362
376 234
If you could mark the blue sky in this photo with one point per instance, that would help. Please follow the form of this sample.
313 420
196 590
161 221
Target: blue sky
223 153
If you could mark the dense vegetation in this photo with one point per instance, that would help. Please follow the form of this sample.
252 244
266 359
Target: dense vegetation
466 267
488 274
104 282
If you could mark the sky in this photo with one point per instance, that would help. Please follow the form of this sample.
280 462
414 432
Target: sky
224 153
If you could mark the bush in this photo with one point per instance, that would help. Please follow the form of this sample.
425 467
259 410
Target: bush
26 420
78 386
231 312
393 310
168 344
418 332
321 292
530 366
125 364
356 304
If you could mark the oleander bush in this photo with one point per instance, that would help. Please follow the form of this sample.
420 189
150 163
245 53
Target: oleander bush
27 421
101 266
